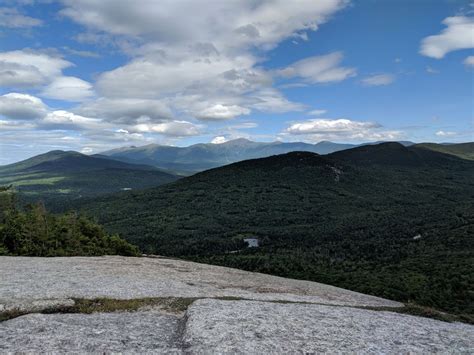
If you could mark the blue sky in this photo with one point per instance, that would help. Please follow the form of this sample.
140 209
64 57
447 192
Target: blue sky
93 75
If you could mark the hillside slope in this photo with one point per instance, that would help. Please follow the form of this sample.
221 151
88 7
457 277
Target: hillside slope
461 150
58 176
387 220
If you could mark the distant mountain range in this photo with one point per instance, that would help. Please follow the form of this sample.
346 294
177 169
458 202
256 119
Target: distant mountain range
383 219
64 175
199 157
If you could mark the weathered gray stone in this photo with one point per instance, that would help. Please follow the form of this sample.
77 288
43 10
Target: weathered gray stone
244 327
253 327
24 279
131 332
268 324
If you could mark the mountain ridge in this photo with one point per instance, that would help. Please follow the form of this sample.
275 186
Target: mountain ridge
203 156
58 176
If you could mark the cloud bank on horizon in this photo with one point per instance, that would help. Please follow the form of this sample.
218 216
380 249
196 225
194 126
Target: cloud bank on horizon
93 75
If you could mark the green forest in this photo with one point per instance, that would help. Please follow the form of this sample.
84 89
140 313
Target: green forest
32 231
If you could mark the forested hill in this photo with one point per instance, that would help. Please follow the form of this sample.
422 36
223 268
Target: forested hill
394 154
59 176
385 219
461 150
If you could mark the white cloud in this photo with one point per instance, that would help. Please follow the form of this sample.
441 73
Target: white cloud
17 106
243 125
222 112
68 88
188 61
329 125
445 134
317 112
9 125
271 100
378 80
173 128
128 116
340 129
148 77
469 61
431 70
127 111
62 119
27 68
229 24
12 18
218 140
319 69
457 35
80 53
200 66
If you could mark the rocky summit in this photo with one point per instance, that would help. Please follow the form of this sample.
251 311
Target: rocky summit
160 305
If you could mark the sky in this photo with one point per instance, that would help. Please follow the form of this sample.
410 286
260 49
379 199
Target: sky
91 75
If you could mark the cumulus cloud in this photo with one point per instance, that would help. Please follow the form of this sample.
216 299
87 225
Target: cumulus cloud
328 125
12 18
378 80
219 140
271 100
431 70
147 77
183 68
469 61
16 106
202 66
230 24
457 35
173 128
62 119
319 69
127 111
68 88
317 112
35 69
28 68
340 129
222 112
446 134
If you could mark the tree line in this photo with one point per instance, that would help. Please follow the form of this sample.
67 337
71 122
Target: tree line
32 231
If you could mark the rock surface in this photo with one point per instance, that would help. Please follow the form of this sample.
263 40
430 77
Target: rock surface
131 332
25 279
273 319
264 327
